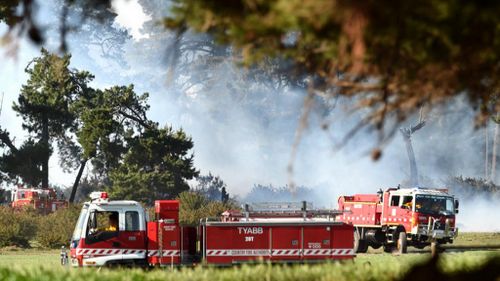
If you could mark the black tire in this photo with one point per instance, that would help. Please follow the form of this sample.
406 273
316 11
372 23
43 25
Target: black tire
402 243
388 248
360 245
420 246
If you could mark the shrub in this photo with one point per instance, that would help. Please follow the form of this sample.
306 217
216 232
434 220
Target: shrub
17 227
55 230
195 206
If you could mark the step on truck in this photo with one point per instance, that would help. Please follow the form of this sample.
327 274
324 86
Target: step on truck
400 217
120 233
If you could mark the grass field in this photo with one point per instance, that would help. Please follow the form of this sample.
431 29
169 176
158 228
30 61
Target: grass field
36 264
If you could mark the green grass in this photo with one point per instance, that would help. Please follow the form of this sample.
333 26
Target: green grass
365 267
44 265
478 239
22 258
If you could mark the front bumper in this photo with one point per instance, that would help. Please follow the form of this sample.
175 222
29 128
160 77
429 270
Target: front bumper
429 233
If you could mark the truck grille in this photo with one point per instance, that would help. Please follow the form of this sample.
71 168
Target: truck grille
439 225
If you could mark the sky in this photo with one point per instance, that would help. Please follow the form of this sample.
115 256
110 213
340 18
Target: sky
243 149
130 16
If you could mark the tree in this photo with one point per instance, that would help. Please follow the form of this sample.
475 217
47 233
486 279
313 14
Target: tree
19 15
496 120
194 206
407 133
156 166
393 57
45 107
269 193
106 118
468 187
107 127
212 187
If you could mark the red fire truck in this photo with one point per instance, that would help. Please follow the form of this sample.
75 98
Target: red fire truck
44 200
401 217
118 232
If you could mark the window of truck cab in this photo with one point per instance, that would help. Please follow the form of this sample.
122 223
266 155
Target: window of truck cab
394 200
132 222
434 204
102 226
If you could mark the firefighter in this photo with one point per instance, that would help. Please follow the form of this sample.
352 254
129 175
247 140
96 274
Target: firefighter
408 202
112 222
105 233
408 205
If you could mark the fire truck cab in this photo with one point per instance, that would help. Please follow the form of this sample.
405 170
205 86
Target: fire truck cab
109 232
401 217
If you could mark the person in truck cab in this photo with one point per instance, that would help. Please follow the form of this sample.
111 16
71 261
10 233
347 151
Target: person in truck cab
112 222
408 202
104 233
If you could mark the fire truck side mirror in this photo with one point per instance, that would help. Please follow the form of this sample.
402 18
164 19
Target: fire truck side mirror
456 206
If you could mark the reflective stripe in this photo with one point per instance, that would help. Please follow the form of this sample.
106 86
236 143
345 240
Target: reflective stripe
286 252
165 253
316 252
342 252
105 252
278 252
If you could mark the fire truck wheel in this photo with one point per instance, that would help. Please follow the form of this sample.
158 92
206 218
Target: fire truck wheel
388 248
402 243
360 245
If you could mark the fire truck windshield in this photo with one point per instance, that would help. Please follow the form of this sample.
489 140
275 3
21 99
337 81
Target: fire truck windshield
77 234
432 204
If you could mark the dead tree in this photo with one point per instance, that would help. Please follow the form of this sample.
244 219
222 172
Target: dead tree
407 133
496 120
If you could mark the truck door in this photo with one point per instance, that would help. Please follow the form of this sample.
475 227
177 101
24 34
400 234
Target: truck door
101 238
407 211
391 214
132 235
398 211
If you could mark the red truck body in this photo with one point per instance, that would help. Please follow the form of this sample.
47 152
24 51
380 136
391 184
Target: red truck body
43 200
236 242
236 238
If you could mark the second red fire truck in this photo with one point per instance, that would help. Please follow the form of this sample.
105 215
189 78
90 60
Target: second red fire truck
43 200
401 217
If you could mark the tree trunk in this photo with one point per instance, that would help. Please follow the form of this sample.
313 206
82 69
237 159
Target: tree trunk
494 154
45 142
413 162
486 152
77 181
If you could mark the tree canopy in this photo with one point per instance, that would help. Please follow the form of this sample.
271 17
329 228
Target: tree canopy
390 57
44 104
394 56
132 155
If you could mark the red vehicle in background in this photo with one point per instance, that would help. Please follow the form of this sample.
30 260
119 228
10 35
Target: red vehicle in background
397 218
44 200
119 232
